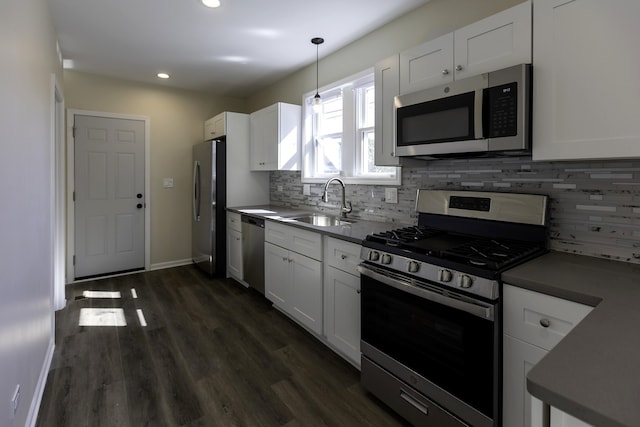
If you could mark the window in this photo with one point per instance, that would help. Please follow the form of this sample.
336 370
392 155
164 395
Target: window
339 139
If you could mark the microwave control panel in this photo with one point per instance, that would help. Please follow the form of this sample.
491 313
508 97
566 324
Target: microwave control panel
503 110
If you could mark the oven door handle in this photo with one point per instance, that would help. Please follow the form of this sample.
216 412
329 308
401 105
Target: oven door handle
476 308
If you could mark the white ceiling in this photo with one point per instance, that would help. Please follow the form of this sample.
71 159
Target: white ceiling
233 50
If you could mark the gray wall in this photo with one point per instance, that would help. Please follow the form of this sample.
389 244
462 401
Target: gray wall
27 60
595 206
427 22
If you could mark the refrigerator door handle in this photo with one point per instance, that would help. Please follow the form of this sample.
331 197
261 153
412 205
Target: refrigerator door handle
196 191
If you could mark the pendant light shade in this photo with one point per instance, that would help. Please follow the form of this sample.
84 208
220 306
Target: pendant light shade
317 101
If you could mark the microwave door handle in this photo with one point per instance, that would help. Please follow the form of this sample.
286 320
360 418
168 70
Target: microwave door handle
481 107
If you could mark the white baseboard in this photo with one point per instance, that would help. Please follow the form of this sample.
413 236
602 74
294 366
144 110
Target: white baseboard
170 264
32 417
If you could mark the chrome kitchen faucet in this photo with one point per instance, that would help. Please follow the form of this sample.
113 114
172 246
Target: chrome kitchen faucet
346 206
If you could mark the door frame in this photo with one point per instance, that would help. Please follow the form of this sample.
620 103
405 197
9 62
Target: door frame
58 194
71 113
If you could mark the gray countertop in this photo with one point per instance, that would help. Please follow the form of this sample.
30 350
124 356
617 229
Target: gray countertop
594 372
354 232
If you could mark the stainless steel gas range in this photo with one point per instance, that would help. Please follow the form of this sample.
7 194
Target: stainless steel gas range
430 304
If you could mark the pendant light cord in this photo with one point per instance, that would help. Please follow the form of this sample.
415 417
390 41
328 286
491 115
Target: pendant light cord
317 41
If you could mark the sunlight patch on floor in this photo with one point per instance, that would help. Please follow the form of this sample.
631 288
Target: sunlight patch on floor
141 319
101 294
102 317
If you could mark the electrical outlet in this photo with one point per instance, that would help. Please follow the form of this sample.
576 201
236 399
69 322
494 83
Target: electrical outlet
391 195
15 401
306 189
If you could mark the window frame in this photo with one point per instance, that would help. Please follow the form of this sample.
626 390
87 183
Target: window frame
351 151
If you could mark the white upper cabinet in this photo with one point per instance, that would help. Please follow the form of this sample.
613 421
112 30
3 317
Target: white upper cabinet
498 41
586 100
215 127
275 138
427 65
387 84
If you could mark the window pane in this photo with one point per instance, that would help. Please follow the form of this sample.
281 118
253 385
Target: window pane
368 112
329 155
368 166
331 116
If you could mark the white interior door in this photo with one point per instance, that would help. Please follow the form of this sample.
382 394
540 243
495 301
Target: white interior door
109 195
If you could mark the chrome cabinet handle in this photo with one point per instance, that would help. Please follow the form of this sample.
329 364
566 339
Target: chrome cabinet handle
545 323
343 256
445 72
458 67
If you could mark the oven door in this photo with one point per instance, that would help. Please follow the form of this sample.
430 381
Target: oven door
442 344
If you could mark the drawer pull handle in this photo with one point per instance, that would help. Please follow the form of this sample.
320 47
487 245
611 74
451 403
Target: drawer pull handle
545 323
413 402
343 256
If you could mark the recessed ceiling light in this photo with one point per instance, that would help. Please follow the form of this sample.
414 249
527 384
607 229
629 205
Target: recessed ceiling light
163 75
211 3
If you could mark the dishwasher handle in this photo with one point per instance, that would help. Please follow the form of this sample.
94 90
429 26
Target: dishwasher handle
259 222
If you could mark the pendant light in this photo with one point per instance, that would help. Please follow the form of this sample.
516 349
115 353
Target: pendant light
317 102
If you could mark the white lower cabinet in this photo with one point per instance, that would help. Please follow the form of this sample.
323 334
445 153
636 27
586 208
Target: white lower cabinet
342 314
342 298
533 324
234 246
518 358
293 280
561 419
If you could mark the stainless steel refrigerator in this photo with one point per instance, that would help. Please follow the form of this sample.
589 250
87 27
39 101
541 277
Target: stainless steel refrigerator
209 202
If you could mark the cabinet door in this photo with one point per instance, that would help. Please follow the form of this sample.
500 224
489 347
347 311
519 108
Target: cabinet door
498 41
215 127
342 310
387 84
277 282
518 358
306 293
561 419
264 134
234 253
427 65
586 86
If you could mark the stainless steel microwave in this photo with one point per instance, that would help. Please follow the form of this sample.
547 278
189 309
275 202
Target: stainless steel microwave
489 114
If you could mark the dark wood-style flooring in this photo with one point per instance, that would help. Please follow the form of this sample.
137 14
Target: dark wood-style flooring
212 354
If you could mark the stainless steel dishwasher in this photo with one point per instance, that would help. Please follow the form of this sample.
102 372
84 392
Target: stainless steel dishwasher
253 252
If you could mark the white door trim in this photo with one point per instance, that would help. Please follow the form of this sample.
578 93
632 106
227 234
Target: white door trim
71 113
57 195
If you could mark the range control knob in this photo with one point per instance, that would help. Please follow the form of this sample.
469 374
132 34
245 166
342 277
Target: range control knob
374 255
445 275
413 267
465 281
386 259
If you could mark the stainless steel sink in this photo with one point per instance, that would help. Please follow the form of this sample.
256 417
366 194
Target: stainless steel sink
321 220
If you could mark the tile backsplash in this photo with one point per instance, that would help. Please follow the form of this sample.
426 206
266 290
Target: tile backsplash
594 205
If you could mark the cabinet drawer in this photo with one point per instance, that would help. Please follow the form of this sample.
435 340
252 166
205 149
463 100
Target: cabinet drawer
304 242
539 319
233 221
343 255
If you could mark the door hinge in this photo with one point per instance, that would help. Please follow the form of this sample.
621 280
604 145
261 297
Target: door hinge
74 260
74 196
73 131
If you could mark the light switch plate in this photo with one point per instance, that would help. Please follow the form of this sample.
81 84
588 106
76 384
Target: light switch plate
391 195
167 182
